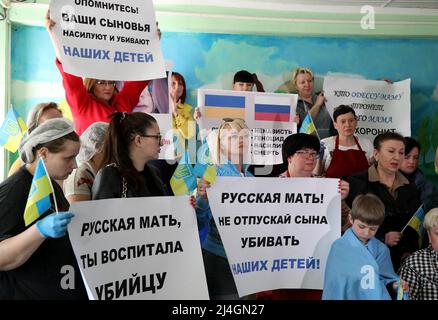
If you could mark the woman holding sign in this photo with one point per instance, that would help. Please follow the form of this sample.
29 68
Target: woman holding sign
300 152
228 152
36 257
94 100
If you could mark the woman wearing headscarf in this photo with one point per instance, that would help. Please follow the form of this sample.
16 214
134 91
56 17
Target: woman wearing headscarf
33 257
77 187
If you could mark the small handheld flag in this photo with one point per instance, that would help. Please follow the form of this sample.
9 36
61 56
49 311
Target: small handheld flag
307 126
12 131
401 294
204 167
416 223
38 200
183 180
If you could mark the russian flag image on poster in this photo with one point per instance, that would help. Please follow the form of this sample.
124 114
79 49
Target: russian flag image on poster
222 106
272 109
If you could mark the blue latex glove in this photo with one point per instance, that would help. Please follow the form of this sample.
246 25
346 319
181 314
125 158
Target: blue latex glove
54 225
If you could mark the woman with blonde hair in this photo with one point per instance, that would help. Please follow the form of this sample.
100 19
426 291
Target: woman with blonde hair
228 149
310 103
36 116
94 100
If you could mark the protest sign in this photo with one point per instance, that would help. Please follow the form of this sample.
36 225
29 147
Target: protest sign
111 40
138 248
276 232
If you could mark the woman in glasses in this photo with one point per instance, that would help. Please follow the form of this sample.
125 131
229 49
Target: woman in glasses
132 140
300 152
228 148
310 103
94 100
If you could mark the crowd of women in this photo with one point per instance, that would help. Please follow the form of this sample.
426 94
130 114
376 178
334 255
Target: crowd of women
114 158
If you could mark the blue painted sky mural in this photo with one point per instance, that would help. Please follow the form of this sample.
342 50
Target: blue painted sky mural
210 61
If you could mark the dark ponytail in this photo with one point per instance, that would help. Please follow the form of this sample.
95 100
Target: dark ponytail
122 129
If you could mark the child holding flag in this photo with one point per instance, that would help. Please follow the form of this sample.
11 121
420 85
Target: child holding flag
34 248
359 266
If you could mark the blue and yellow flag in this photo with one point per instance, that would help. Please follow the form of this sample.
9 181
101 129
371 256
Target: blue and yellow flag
307 126
205 167
416 223
38 201
12 131
183 180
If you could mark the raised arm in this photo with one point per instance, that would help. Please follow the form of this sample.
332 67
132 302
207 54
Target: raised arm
49 23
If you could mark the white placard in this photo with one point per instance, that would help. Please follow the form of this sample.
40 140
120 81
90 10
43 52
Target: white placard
111 40
276 232
138 248
379 106
269 116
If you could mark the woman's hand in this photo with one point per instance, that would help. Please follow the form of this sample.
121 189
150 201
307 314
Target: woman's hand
192 201
344 188
49 23
197 114
202 188
392 238
297 118
320 100
174 102
158 31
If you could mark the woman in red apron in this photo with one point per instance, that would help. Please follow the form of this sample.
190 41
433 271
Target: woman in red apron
345 154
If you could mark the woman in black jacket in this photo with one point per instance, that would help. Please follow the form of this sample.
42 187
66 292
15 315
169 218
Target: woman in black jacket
132 140
399 195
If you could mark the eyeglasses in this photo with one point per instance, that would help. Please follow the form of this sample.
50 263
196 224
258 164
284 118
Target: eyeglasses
307 154
156 136
106 82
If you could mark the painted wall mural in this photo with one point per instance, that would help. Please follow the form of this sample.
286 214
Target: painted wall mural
210 61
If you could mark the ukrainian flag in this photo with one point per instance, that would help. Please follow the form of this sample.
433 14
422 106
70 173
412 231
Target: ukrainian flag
416 223
38 201
307 126
12 131
183 180
204 167
222 106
